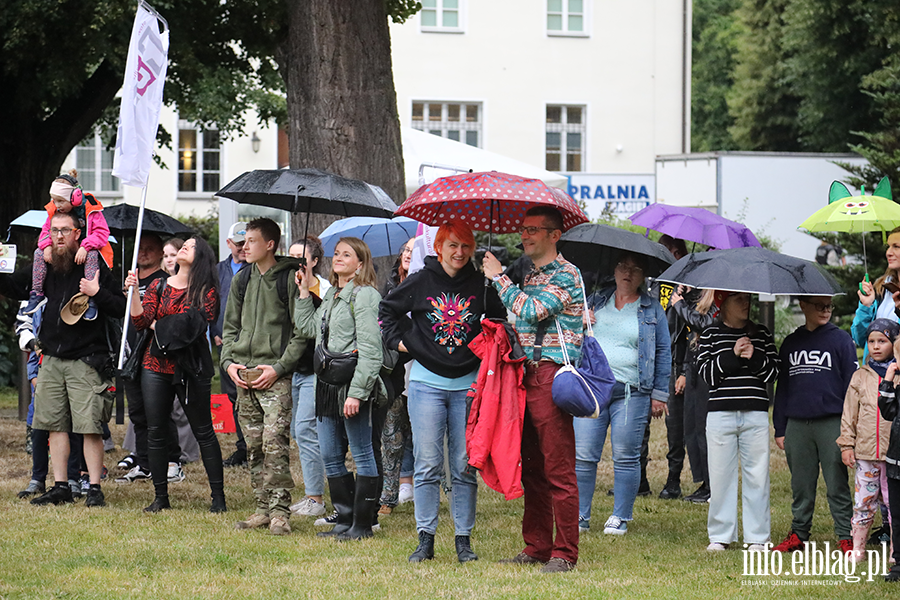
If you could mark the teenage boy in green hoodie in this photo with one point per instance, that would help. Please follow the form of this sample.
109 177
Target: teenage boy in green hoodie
260 349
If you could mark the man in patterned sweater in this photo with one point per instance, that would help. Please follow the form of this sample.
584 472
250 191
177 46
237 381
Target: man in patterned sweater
551 292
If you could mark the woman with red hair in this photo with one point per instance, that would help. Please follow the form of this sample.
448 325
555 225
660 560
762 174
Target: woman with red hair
433 315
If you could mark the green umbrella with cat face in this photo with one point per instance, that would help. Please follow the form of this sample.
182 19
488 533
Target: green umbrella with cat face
856 214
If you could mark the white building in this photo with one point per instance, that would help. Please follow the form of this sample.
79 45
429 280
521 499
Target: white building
595 90
769 192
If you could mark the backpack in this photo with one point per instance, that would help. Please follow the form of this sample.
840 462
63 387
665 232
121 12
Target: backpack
281 284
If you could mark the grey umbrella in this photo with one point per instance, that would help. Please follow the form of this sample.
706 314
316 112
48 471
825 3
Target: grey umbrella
309 191
596 248
123 218
753 270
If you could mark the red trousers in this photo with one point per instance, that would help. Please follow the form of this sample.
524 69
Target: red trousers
548 470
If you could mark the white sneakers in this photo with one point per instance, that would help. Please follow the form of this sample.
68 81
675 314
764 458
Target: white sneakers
175 473
406 493
615 526
133 475
308 507
716 547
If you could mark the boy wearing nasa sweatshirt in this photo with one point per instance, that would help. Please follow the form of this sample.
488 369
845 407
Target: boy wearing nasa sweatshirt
817 362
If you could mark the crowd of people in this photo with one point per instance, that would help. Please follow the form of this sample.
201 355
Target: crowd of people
338 366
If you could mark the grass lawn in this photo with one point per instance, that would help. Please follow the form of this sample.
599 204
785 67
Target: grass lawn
121 552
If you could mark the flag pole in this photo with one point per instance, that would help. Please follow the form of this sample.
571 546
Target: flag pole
134 257
142 98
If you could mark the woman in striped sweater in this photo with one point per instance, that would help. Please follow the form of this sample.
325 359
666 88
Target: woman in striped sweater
737 359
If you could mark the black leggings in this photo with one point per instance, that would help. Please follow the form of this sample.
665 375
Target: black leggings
159 390
894 507
40 455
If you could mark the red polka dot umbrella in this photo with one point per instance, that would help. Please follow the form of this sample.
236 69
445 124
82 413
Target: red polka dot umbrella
493 202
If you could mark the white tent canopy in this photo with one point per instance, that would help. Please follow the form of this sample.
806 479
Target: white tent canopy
427 157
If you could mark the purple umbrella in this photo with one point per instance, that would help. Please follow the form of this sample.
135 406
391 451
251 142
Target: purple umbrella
696 225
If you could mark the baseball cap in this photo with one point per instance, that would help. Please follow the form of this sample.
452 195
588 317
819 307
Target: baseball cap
237 232
74 308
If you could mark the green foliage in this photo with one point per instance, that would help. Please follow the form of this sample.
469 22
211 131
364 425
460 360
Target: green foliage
831 45
206 226
881 147
763 104
510 241
400 10
714 45
10 354
809 73
882 142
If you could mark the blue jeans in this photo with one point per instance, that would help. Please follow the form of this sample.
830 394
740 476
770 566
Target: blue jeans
432 414
303 430
626 419
358 433
733 435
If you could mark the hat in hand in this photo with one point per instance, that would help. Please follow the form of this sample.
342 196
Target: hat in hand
74 308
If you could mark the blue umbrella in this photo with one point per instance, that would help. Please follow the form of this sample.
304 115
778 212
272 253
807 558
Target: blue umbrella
34 219
385 237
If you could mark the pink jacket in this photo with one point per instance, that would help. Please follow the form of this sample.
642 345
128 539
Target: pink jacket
494 429
97 234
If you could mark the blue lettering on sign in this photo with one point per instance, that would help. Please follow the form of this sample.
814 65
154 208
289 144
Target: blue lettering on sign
619 192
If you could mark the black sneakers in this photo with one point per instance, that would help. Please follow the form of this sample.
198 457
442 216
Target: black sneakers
56 495
94 497
701 496
237 459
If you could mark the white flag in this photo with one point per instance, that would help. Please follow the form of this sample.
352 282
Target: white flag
142 95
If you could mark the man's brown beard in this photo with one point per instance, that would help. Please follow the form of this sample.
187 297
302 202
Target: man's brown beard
62 260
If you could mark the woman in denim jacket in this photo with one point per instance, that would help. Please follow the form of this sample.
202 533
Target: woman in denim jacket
634 333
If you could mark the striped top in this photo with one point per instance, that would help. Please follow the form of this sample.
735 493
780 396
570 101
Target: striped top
737 383
548 293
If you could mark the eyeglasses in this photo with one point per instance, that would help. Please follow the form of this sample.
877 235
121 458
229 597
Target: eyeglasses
406 250
822 307
624 268
533 230
65 231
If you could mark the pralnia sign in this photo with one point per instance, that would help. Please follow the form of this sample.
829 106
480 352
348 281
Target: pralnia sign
797 568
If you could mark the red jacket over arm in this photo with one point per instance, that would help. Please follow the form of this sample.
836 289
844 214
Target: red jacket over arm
494 429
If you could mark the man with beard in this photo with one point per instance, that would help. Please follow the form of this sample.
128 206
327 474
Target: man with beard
150 253
73 391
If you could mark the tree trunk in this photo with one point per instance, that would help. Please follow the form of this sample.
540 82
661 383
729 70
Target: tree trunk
342 107
32 151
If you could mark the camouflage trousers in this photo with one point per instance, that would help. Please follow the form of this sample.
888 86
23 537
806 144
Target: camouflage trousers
265 418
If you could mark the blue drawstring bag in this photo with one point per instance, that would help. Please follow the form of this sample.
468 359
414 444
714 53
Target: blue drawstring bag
587 390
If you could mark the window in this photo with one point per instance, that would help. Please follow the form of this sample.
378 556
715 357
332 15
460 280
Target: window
441 16
95 163
199 159
453 120
567 17
566 132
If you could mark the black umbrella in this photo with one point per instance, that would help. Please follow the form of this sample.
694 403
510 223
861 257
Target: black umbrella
596 248
309 191
123 218
753 270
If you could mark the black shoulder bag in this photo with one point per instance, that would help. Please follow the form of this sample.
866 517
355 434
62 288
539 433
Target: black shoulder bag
331 367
